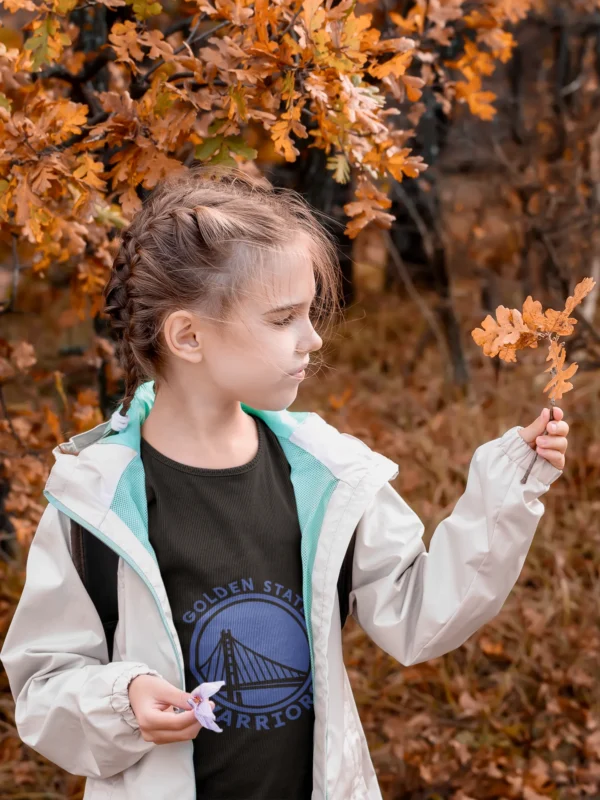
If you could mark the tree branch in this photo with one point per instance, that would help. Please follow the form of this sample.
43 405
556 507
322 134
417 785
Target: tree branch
428 315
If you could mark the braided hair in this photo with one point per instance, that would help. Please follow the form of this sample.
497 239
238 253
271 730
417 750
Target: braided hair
120 306
195 242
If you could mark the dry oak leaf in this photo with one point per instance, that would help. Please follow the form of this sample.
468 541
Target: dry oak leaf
533 316
474 62
557 322
559 383
23 356
402 163
89 172
582 289
395 66
125 41
505 336
511 10
479 102
368 207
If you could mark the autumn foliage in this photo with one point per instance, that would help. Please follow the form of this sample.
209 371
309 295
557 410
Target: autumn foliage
515 330
336 77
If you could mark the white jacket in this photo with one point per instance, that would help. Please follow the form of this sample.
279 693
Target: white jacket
72 705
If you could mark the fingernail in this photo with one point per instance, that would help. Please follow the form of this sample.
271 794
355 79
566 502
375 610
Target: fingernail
552 427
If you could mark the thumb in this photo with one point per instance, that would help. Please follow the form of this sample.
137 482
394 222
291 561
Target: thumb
172 696
537 427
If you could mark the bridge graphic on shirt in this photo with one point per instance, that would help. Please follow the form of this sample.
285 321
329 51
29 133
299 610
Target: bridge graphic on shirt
243 669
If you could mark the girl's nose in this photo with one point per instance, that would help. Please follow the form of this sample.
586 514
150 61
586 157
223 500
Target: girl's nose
316 342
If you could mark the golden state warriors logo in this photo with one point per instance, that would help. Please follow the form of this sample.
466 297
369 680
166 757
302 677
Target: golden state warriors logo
256 642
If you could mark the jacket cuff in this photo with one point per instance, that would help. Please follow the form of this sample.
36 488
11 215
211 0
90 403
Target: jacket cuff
521 454
119 698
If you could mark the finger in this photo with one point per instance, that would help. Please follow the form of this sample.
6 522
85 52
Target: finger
556 459
154 720
552 457
537 427
192 730
559 443
557 414
168 737
558 428
168 695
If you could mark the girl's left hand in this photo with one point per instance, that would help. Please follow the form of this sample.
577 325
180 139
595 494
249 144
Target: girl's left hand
552 445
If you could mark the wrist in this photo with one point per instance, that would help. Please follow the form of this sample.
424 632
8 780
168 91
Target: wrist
120 694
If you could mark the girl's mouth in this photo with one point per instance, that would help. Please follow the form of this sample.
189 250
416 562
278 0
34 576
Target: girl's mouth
299 376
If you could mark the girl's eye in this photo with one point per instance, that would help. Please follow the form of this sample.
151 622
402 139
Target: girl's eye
284 321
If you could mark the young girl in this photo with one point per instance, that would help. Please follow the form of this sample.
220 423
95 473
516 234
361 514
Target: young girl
232 517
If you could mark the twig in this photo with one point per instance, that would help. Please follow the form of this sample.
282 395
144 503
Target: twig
413 293
291 22
178 75
192 39
417 219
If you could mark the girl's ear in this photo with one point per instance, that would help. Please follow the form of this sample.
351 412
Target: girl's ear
183 335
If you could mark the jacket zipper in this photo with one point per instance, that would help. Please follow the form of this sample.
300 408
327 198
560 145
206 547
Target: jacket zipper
109 543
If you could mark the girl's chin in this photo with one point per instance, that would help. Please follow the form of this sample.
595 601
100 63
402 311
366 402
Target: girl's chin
280 401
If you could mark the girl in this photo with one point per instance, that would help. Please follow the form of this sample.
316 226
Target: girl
231 518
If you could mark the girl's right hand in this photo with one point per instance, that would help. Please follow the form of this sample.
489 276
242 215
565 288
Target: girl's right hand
152 700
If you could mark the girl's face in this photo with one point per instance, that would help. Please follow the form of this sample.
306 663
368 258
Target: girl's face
255 356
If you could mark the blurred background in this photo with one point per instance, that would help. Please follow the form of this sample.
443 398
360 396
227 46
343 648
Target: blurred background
453 149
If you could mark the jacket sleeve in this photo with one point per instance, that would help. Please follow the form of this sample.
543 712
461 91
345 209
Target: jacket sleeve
71 705
417 605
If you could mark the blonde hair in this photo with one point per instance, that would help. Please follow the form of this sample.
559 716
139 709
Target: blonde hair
198 239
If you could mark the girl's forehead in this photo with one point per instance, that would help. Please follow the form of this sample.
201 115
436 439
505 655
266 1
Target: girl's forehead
287 276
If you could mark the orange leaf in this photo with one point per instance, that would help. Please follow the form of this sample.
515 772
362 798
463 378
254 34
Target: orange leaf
395 66
559 384
582 289
402 163
505 336
53 423
478 102
124 37
490 647
556 355
339 402
413 87
533 315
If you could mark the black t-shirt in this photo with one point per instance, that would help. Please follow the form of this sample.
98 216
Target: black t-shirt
228 548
